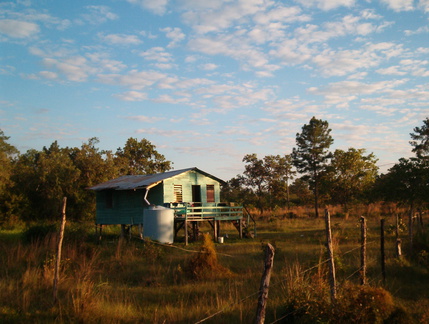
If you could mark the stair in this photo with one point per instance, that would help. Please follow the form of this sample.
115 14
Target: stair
247 233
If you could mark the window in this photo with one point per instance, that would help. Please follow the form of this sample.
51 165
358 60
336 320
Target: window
178 193
109 199
210 193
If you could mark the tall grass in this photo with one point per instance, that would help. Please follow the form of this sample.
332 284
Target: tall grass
133 281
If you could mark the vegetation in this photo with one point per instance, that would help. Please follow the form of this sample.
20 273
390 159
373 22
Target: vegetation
311 155
32 184
120 281
135 281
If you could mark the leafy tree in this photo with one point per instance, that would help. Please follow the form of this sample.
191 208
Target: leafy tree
349 175
406 182
279 173
8 154
266 180
420 140
140 157
301 189
95 166
255 177
234 191
311 155
44 178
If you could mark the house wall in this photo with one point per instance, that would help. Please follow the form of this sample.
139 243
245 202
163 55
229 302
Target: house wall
127 207
187 180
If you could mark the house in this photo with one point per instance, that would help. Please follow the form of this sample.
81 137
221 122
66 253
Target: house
193 194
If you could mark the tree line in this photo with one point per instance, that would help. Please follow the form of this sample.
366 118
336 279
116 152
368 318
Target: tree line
32 184
312 174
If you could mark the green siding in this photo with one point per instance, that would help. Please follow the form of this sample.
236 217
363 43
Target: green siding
187 180
128 205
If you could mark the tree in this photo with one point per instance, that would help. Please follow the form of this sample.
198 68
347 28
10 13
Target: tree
279 173
406 182
8 154
420 140
140 157
95 166
311 155
255 177
44 178
349 175
266 179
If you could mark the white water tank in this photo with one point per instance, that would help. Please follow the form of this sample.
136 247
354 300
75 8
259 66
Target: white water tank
158 224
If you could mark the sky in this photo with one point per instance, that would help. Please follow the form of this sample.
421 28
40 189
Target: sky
209 81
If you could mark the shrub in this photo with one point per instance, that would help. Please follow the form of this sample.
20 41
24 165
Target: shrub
364 304
355 304
205 264
38 232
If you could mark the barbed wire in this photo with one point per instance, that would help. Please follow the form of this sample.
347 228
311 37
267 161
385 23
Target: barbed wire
280 282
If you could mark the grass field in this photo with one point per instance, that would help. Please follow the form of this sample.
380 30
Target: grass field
134 281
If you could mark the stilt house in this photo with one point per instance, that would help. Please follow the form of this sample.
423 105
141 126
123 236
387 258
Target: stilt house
193 194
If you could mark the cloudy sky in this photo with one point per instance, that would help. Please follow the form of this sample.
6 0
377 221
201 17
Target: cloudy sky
210 81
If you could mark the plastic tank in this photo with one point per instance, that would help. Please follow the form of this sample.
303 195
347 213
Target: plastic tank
158 224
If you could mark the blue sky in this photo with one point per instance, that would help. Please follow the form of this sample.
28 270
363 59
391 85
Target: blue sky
208 82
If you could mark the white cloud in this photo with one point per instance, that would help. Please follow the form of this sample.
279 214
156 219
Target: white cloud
132 96
209 66
157 54
18 29
399 5
340 63
48 75
421 30
392 70
424 5
73 68
145 119
98 15
136 80
120 39
214 20
158 7
175 34
327 4
281 14
170 100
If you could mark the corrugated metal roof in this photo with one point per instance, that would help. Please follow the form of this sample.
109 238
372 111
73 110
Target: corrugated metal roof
129 182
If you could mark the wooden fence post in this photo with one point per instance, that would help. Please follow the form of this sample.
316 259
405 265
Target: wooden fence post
383 257
398 240
265 283
60 244
363 251
332 280
410 229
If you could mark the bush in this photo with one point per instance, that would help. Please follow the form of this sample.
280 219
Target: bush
205 265
38 232
355 304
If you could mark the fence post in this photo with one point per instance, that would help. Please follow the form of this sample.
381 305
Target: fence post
383 257
398 240
332 280
410 229
363 251
265 283
60 244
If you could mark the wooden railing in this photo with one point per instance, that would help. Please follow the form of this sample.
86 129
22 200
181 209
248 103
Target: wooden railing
204 212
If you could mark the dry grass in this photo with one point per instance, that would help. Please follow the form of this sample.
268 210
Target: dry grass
120 281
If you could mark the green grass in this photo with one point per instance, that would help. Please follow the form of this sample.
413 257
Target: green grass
121 281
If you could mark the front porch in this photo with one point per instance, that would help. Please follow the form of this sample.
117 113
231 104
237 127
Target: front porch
192 214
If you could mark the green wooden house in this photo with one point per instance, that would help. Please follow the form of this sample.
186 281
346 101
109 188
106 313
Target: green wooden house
193 194
122 200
